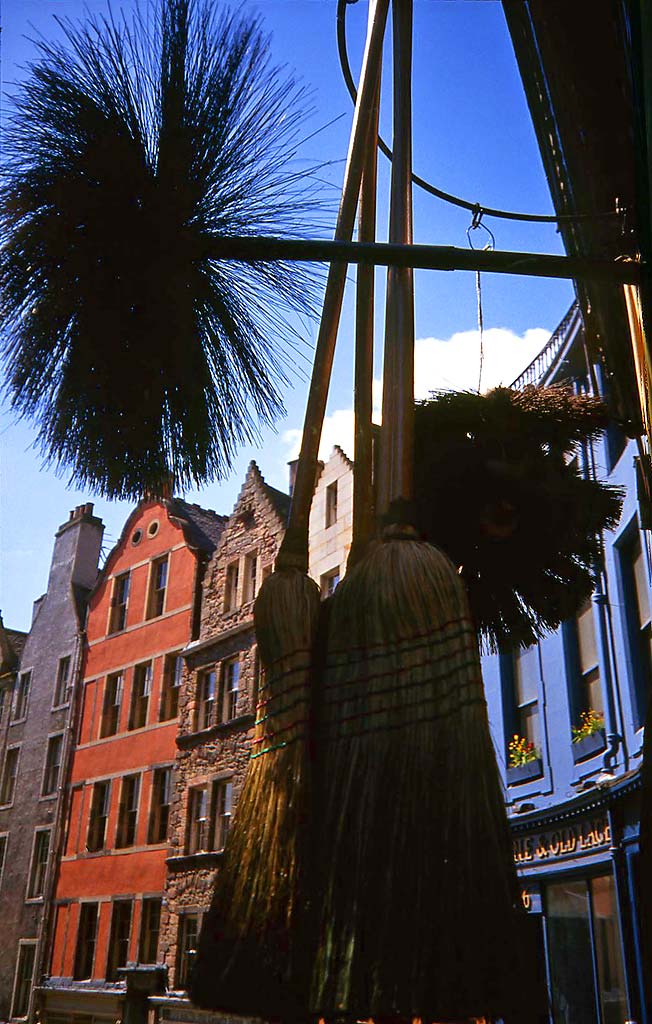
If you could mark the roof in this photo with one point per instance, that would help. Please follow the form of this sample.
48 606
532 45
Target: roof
12 642
204 527
279 500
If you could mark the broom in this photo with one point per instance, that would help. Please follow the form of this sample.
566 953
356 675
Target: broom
417 885
253 955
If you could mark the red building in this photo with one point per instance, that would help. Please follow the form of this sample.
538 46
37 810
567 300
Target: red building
142 612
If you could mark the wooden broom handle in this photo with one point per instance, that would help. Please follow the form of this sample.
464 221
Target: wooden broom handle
363 501
397 444
293 552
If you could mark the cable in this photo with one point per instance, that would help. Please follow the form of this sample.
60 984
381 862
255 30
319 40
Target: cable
447 197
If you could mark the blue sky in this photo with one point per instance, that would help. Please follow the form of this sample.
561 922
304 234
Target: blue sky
472 137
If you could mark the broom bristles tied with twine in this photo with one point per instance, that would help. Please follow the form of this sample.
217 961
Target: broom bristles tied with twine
251 957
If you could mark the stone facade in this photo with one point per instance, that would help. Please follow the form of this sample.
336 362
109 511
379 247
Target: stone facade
38 725
331 521
216 723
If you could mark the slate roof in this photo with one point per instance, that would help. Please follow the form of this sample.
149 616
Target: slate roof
204 527
279 500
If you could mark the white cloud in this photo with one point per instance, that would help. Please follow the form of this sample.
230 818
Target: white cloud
441 364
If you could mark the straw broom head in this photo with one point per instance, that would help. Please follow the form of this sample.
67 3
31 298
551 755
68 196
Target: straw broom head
253 949
133 146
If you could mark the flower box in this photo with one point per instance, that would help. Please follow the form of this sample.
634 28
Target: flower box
588 746
524 772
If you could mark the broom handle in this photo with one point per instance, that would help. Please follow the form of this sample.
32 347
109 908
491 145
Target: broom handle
363 502
293 552
397 445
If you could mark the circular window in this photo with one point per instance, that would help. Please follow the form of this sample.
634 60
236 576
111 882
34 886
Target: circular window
136 536
152 529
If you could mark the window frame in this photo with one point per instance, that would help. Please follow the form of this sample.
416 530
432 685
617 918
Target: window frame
38 868
23 944
127 824
232 586
101 813
20 702
119 609
639 665
57 701
159 809
109 727
206 710
116 938
221 812
198 835
183 962
86 906
250 576
331 496
172 681
209 836
48 768
145 931
228 704
329 581
141 690
3 853
157 595
9 750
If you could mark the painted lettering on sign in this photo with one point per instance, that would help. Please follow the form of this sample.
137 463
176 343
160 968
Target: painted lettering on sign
562 842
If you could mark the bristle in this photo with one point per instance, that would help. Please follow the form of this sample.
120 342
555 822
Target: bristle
420 915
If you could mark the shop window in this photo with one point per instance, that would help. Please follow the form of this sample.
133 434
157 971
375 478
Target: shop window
250 577
141 689
636 589
128 811
172 677
328 582
52 765
62 687
113 690
86 939
119 602
207 695
100 801
230 688
331 504
9 775
23 980
158 582
188 936
119 938
584 951
231 587
150 926
160 810
39 864
21 698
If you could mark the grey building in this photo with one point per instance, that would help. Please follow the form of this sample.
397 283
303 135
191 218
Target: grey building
36 737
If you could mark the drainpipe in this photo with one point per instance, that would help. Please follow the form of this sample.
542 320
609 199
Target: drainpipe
614 739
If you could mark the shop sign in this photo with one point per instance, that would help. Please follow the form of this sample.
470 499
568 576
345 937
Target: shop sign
566 841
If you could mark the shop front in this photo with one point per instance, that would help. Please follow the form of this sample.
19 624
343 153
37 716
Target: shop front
577 863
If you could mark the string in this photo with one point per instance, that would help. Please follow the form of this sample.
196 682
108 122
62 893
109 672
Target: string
476 222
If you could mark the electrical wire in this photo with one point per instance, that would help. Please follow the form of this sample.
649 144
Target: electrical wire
448 197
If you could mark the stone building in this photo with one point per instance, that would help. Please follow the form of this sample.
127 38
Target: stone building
331 521
38 721
107 902
217 712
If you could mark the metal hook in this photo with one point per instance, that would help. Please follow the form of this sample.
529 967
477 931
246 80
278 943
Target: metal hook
476 222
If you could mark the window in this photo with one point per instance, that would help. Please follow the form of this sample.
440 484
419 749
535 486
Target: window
52 765
636 587
9 773
100 801
4 842
230 688
5 697
198 825
21 697
186 947
61 690
128 811
329 581
210 810
119 938
231 589
113 691
172 676
119 603
250 576
158 582
39 865
23 982
331 504
140 691
160 811
150 925
207 691
582 664
520 676
86 938
222 803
